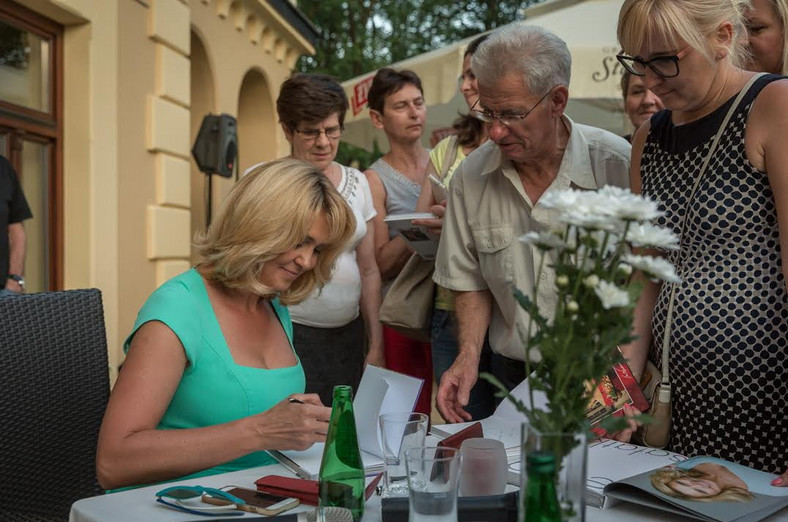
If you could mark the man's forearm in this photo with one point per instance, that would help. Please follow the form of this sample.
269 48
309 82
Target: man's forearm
17 243
473 310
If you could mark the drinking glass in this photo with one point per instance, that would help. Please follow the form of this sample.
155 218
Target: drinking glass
433 477
484 467
399 432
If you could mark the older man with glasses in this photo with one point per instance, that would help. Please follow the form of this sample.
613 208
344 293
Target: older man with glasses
523 76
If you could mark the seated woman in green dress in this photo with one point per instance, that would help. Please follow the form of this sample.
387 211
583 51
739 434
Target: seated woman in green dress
210 364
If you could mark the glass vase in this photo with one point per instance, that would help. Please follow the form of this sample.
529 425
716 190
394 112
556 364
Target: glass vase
569 451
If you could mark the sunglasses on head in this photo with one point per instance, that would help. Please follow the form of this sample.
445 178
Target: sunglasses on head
188 499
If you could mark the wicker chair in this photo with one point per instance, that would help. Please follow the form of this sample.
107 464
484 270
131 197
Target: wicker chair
55 386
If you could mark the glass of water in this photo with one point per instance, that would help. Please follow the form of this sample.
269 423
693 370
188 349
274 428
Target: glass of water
398 433
433 477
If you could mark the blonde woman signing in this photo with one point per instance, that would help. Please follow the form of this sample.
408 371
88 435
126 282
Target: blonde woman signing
210 362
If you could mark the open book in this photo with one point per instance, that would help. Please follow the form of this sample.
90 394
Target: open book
421 240
380 391
705 488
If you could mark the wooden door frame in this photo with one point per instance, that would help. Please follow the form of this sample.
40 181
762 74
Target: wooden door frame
38 125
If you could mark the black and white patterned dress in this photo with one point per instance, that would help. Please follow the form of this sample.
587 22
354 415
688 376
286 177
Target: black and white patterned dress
728 344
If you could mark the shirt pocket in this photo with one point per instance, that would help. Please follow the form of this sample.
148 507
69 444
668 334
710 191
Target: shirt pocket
493 245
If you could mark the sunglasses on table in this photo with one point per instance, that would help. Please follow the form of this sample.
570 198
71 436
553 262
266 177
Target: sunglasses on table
188 499
664 66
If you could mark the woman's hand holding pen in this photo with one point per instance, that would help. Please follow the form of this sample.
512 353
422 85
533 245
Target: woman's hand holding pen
293 424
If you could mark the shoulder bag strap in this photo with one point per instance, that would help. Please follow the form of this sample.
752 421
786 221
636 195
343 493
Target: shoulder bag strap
664 390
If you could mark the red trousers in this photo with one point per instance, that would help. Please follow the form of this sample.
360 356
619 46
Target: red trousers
411 357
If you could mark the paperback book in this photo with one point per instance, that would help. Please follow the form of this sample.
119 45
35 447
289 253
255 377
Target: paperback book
419 238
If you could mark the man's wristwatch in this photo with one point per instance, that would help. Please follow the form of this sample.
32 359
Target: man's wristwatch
19 280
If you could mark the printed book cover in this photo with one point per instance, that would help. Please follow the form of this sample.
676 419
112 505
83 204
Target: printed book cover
705 488
421 240
617 388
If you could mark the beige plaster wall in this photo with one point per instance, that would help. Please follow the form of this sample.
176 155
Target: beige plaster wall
136 165
126 179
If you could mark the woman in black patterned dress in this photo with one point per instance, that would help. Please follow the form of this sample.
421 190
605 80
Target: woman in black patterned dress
729 338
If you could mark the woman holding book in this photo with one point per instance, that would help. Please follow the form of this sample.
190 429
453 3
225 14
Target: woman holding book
727 335
444 160
210 363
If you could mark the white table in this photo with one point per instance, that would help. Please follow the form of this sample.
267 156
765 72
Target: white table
139 504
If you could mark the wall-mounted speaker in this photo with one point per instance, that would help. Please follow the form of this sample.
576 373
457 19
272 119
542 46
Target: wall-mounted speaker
216 147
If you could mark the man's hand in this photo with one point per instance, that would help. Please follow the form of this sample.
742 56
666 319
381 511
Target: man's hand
455 388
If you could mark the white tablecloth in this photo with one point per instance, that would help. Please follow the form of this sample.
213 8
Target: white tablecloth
139 504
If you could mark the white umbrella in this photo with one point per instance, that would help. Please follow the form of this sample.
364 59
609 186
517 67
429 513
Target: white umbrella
587 26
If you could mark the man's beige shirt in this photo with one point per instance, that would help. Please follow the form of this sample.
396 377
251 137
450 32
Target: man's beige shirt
488 210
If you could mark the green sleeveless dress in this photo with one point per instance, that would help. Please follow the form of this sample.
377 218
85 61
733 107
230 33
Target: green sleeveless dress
214 389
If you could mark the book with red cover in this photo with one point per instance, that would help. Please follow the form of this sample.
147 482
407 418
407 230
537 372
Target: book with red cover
304 490
617 388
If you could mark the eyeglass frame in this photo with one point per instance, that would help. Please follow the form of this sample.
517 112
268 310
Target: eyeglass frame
339 129
491 117
626 62
198 491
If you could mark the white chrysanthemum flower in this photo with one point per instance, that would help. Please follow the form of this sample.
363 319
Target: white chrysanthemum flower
623 204
584 218
561 281
561 200
655 267
648 235
625 269
572 306
610 295
544 240
591 281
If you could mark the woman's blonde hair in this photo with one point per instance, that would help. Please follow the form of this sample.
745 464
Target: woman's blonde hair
268 212
781 10
662 478
694 21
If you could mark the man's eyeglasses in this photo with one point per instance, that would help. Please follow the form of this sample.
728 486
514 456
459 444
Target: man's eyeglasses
665 66
332 133
188 499
507 119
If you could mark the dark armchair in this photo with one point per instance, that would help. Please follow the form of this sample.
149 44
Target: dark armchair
55 386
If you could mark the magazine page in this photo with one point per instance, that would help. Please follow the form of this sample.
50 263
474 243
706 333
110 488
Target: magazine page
421 240
611 460
707 488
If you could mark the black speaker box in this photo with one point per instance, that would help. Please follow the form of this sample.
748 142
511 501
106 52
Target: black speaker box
216 147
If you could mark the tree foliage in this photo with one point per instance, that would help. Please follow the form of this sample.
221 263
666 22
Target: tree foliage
358 36
362 35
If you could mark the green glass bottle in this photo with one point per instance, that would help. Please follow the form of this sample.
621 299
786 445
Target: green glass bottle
541 498
341 470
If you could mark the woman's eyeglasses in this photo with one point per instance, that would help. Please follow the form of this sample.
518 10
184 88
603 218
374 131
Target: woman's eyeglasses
188 499
332 133
664 66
